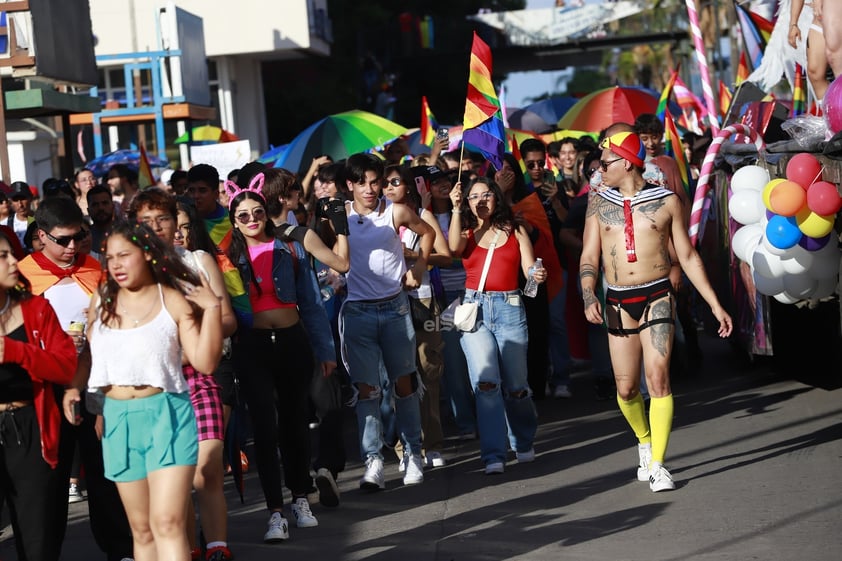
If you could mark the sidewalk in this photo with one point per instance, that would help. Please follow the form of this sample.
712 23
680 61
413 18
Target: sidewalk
756 458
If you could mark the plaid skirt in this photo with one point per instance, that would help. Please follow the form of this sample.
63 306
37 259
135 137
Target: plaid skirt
207 404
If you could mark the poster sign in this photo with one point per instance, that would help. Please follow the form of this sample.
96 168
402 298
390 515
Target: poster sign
225 157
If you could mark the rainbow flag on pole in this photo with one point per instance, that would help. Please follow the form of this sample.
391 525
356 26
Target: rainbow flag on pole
675 149
429 126
665 94
482 124
799 97
724 99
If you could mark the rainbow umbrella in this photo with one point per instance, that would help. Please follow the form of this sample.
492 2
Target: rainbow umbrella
602 108
338 136
207 134
525 119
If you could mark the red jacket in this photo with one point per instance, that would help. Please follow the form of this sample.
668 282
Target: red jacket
49 357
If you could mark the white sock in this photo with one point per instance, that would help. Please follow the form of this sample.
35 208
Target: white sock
212 545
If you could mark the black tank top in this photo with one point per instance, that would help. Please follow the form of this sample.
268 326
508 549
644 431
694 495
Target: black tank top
15 383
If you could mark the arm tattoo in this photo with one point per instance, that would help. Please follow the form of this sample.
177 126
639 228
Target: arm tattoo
588 297
587 271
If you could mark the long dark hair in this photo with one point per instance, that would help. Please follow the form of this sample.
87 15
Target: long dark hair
199 236
166 266
502 218
519 190
23 290
238 248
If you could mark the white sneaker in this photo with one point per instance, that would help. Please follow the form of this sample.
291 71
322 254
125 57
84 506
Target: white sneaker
525 457
660 479
74 494
561 391
402 463
414 470
303 515
328 489
278 529
494 468
372 479
644 452
434 459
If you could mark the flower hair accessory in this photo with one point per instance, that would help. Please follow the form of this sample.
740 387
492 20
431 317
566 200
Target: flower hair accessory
255 186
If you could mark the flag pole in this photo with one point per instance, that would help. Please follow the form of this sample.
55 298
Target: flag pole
461 155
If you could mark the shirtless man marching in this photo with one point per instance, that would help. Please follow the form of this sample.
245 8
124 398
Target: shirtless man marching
630 226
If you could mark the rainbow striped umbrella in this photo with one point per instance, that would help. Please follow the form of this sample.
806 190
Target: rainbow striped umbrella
338 136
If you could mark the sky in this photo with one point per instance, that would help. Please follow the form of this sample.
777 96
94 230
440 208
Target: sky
521 86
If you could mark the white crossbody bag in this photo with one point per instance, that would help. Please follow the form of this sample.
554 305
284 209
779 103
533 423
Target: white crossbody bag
465 315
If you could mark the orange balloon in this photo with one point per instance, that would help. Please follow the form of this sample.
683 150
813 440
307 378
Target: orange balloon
787 198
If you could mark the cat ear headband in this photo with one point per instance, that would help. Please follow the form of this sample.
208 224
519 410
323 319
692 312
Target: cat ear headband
255 186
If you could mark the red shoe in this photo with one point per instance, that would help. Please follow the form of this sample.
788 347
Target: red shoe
244 462
196 554
219 553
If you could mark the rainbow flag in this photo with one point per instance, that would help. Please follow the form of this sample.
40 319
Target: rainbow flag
429 126
517 155
665 94
799 97
144 173
756 31
742 69
675 149
724 98
687 100
482 124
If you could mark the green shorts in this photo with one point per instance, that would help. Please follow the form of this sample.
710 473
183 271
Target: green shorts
147 434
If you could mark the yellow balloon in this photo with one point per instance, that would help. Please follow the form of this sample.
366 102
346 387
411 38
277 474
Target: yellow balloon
814 225
767 192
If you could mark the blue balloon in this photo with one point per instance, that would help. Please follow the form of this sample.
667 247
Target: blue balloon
782 231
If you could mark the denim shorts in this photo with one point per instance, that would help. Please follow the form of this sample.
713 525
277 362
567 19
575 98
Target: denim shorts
146 434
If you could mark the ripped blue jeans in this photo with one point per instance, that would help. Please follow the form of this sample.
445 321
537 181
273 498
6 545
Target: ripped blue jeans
375 334
496 354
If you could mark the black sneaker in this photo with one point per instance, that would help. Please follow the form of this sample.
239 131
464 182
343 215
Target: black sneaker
328 490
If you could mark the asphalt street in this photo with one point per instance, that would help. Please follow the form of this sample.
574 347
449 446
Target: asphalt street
755 454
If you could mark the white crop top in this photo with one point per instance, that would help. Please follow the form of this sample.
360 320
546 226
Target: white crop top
149 355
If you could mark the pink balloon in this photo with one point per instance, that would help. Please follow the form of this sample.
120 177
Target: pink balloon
804 169
823 198
833 106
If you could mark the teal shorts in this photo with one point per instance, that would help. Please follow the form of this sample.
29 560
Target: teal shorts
147 434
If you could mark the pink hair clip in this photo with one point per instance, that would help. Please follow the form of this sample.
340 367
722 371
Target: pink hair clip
255 186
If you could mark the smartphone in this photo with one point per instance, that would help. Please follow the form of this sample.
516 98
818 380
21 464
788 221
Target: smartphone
77 411
442 134
421 185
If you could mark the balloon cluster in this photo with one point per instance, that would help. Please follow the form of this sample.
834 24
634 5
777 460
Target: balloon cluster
787 233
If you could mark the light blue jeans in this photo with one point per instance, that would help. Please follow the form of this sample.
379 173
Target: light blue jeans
496 353
375 333
456 383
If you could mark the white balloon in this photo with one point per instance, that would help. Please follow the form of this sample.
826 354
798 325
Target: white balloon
749 177
745 240
746 206
766 264
768 286
798 261
800 286
825 263
825 287
785 298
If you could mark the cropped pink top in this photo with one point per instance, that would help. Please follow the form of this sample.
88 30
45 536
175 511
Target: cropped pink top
262 259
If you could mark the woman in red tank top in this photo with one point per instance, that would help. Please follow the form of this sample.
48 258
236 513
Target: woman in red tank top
496 346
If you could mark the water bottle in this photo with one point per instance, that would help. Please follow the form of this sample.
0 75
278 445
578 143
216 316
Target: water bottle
531 288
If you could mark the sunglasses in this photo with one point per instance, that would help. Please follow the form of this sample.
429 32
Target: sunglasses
535 164
64 241
604 165
258 215
394 182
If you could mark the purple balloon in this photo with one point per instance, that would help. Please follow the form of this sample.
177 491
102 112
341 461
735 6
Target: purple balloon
813 244
769 214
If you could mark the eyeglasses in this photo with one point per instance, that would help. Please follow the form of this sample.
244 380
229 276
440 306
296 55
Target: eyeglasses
477 196
258 215
64 241
394 182
153 221
604 165
535 164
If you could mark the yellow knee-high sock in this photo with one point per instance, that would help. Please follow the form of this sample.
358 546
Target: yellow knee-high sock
634 411
660 419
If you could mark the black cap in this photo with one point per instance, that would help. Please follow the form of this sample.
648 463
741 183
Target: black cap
434 173
57 187
20 190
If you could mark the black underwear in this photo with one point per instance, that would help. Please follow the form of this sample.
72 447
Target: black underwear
637 303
